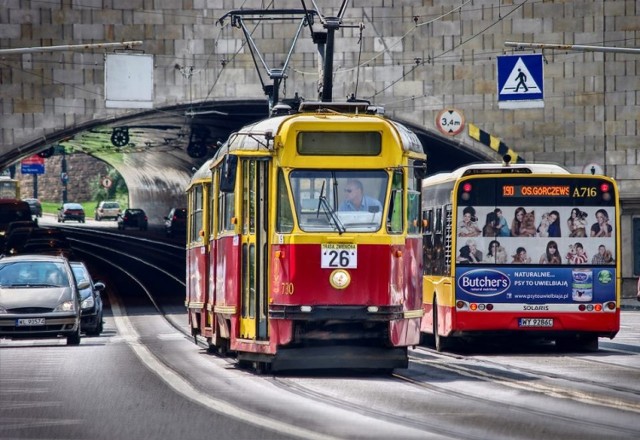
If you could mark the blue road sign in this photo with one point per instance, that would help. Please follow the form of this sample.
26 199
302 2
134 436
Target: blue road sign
520 81
32 168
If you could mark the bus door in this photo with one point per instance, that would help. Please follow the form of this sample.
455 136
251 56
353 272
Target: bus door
253 288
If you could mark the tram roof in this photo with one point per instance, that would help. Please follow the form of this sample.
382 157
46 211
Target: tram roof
253 137
202 173
495 168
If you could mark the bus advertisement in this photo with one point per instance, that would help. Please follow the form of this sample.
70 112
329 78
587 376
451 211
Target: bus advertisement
536 253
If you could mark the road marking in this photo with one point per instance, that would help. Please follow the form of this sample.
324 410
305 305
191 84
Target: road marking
183 387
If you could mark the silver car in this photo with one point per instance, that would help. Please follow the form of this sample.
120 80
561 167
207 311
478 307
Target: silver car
39 298
91 300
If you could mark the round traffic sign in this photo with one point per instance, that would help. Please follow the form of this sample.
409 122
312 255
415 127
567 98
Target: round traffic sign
106 182
450 121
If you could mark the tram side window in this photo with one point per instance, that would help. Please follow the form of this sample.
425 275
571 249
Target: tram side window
413 212
395 224
196 220
284 222
226 211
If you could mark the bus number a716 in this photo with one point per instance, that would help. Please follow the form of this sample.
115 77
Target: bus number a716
335 256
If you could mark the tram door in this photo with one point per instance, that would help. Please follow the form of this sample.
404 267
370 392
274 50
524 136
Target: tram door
255 182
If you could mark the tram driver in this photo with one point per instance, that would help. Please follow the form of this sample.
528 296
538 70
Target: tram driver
356 200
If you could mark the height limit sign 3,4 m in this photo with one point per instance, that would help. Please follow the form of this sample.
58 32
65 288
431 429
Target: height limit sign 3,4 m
450 121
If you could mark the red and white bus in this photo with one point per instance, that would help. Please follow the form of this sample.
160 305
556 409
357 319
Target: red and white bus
521 249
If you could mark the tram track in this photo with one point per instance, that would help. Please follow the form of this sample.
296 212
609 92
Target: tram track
552 384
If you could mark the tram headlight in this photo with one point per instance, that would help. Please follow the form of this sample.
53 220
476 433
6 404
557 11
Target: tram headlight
339 279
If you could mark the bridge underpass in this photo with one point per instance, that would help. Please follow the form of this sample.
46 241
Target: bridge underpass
157 151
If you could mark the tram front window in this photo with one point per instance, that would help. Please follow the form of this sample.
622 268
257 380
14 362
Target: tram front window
340 201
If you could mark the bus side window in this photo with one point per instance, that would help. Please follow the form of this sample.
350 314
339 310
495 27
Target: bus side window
428 221
438 226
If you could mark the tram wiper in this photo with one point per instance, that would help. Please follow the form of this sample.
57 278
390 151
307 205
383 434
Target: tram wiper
329 212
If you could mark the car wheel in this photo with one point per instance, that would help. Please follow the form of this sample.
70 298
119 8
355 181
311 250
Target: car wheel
74 339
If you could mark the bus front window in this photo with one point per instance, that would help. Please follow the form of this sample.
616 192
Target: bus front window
341 201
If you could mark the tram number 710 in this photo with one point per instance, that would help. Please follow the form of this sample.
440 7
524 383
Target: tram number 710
339 256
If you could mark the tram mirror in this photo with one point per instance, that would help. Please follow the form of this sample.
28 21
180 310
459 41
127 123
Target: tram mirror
420 169
228 174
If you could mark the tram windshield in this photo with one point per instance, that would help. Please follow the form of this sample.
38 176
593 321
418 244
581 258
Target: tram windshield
340 201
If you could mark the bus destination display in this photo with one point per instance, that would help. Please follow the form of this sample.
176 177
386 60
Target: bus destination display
546 191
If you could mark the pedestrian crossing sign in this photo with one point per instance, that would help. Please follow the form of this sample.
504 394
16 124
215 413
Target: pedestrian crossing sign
520 81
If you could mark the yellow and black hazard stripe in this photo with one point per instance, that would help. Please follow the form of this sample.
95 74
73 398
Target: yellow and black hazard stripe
495 143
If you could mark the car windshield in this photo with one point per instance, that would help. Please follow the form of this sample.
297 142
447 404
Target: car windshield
73 206
33 274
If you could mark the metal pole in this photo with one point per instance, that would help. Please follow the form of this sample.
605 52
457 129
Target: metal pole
21 50
63 175
327 83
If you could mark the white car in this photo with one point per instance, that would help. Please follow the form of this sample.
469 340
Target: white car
107 209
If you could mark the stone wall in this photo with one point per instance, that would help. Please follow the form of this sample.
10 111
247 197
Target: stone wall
81 169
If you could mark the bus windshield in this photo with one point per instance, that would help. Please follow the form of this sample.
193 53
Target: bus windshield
535 221
341 201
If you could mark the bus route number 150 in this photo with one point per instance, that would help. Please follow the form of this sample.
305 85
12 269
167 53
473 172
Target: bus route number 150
335 256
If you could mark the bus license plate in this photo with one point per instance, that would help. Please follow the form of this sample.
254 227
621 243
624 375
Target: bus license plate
30 322
535 322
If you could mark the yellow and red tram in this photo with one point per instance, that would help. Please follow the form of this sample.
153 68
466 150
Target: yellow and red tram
305 247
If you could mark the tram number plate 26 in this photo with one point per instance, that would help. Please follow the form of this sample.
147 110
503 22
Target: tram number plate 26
535 322
334 256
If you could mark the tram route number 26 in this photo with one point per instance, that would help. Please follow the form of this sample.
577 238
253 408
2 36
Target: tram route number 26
339 256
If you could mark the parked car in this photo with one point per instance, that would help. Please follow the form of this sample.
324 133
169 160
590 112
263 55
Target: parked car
71 211
107 209
39 298
35 205
133 218
90 300
176 222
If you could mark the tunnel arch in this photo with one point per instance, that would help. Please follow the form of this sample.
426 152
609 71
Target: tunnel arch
156 163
